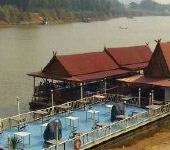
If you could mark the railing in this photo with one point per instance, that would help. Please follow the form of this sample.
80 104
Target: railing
119 98
115 128
29 117
99 134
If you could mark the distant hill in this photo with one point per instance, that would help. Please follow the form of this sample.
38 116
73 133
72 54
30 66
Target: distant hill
129 1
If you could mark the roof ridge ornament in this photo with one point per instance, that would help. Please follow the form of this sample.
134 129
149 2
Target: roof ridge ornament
158 41
54 53
105 47
147 43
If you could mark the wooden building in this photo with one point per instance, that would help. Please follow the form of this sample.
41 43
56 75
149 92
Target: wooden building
76 76
156 77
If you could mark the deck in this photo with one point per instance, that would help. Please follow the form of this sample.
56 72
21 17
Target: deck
36 129
89 137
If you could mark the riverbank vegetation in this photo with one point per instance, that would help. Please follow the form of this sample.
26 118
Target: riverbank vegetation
58 11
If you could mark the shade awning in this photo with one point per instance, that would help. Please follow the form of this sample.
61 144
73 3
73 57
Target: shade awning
81 78
140 79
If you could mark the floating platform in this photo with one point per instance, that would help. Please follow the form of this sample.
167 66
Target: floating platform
83 122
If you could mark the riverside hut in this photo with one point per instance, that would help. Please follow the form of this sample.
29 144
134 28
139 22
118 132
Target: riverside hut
79 75
156 79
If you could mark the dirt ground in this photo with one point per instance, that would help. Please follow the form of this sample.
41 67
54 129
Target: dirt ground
157 138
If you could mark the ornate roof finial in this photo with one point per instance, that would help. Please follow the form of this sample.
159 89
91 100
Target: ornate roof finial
104 47
54 53
147 43
158 41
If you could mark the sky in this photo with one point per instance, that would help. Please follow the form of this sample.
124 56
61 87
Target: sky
138 1
163 1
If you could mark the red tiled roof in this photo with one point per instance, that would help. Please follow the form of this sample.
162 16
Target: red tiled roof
165 48
130 55
80 78
136 66
139 79
79 64
100 75
95 65
80 67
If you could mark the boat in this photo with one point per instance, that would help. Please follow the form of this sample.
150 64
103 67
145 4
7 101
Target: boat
87 20
45 21
123 27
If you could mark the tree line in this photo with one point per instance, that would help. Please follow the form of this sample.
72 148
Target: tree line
16 11
151 5
74 5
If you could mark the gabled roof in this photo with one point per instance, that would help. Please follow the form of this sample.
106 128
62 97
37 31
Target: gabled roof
140 79
80 67
159 65
158 71
132 58
79 64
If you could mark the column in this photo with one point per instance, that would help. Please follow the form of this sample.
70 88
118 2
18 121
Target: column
152 96
105 85
94 127
81 89
124 105
52 101
150 99
139 97
150 110
18 106
34 85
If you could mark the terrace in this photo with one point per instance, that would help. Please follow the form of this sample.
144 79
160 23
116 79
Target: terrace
36 125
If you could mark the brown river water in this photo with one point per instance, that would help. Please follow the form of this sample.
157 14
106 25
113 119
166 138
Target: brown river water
25 49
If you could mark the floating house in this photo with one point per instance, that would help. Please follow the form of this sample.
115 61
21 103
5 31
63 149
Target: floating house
156 77
95 120
80 75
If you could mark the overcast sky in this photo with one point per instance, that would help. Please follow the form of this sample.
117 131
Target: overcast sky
163 1
159 1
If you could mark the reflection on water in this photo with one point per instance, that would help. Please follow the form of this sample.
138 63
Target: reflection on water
26 49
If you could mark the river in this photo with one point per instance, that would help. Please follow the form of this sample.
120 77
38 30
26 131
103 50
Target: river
25 49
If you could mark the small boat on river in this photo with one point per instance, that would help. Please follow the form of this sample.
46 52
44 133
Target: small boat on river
123 27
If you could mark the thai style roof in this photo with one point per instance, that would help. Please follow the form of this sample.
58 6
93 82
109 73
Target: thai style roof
131 58
111 62
159 65
140 79
158 71
80 64
80 67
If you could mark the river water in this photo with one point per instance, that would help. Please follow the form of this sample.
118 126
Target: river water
25 49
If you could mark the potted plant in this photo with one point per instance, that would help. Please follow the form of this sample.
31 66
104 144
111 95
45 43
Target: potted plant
14 143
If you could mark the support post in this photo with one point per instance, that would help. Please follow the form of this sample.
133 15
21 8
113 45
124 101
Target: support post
57 125
105 85
152 96
81 89
150 99
124 106
18 106
94 127
139 97
52 101
34 85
